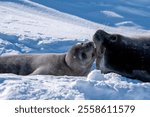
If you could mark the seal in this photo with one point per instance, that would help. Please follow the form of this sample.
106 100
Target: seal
76 62
126 56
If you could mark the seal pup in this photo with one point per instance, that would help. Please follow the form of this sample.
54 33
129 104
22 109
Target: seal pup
76 62
126 56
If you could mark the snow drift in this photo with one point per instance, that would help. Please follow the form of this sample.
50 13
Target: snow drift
29 27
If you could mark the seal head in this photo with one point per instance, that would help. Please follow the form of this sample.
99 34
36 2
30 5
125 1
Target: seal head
81 57
124 55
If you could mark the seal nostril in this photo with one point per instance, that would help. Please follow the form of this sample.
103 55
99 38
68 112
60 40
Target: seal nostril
87 45
90 44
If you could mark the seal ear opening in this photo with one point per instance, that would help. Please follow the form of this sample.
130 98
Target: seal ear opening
114 38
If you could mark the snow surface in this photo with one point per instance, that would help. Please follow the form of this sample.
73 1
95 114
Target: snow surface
111 14
29 27
97 86
136 11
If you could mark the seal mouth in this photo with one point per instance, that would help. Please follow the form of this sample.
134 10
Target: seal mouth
91 46
94 53
87 51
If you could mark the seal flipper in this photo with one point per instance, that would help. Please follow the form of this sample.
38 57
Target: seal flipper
43 70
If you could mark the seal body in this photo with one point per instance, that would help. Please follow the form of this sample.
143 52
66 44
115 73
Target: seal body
76 62
127 56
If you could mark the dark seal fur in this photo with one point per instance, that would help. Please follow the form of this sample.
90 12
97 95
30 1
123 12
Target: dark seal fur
127 56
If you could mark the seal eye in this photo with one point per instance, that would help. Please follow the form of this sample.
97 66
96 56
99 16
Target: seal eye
113 38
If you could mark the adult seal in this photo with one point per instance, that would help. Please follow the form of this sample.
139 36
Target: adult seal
76 62
126 56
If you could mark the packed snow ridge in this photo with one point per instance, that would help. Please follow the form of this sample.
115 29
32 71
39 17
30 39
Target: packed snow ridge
29 27
95 86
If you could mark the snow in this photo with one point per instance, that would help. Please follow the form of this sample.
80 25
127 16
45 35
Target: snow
109 86
131 10
127 23
95 75
111 14
37 87
113 87
30 27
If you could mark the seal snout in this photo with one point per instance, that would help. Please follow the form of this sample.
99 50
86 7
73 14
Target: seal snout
100 35
89 44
